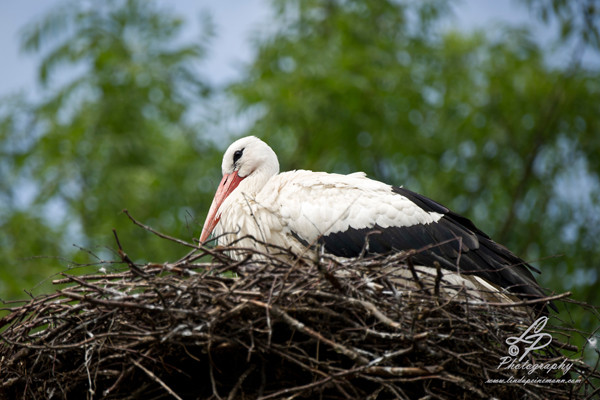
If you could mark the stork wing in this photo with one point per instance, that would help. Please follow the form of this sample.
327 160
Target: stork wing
351 215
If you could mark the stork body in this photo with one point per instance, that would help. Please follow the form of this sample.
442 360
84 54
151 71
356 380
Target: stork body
349 216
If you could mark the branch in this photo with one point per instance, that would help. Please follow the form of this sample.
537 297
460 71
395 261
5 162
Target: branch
134 268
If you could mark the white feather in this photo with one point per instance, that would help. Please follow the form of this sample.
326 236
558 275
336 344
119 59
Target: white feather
314 204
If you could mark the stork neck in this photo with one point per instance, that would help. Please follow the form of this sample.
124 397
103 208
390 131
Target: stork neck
254 182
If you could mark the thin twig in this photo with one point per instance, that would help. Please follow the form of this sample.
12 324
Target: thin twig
308 331
156 379
134 268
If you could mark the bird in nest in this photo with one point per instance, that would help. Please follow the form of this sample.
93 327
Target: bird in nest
349 216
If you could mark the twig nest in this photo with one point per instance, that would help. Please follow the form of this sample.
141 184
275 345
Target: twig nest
364 329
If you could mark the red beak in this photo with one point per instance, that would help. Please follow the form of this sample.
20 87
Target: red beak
227 185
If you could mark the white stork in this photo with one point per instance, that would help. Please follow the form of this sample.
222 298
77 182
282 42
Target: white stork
350 215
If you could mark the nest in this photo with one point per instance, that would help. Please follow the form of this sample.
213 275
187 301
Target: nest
275 329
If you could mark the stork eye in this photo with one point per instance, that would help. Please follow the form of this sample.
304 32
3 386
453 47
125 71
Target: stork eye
237 155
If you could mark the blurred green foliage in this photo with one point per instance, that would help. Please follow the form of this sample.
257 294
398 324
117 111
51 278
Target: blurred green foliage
479 121
114 135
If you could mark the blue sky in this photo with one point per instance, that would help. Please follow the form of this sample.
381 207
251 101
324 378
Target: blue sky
235 21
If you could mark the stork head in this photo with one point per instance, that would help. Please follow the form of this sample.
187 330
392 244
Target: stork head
248 159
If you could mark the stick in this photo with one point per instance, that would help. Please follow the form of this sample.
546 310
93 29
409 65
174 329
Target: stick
157 233
156 379
134 268
310 332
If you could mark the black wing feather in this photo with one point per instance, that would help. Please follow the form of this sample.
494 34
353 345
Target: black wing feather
453 241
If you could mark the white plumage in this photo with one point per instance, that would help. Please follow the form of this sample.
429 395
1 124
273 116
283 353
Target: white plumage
313 204
349 215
